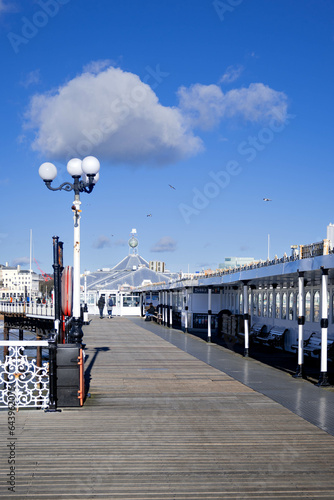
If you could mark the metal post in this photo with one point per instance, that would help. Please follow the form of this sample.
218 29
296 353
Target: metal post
53 374
141 304
301 322
57 287
170 309
89 166
76 333
38 356
251 304
209 312
323 379
85 288
163 307
246 320
274 302
186 312
5 337
166 307
39 351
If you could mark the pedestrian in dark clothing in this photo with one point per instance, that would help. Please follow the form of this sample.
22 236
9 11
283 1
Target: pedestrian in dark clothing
101 304
150 312
110 304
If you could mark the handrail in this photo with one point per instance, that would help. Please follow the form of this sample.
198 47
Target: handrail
27 343
32 309
12 307
40 310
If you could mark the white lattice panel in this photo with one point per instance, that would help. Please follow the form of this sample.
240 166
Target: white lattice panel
22 381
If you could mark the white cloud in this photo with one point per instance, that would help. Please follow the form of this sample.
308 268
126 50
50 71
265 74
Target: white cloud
121 243
201 104
32 78
206 105
256 103
96 67
113 115
101 242
165 244
231 74
20 261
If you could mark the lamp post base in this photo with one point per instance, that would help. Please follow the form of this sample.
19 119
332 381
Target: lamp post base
299 372
76 333
323 380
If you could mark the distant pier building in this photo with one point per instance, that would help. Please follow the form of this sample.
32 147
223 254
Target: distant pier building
120 281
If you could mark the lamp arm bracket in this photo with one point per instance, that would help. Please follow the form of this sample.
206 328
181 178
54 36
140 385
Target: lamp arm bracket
66 186
77 187
86 187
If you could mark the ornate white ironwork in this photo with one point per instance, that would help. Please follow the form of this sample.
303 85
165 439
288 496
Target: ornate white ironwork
23 383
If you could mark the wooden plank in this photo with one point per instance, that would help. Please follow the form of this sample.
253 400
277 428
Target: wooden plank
161 424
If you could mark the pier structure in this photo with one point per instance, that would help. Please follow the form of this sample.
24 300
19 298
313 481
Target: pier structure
171 416
286 304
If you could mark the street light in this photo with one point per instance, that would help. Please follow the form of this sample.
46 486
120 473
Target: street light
85 175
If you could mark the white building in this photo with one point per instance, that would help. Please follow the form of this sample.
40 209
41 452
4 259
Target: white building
18 283
235 262
157 266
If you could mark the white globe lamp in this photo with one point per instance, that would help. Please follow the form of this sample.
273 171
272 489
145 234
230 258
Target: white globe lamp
47 171
90 165
74 167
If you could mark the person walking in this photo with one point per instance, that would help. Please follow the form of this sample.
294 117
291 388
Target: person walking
101 304
110 304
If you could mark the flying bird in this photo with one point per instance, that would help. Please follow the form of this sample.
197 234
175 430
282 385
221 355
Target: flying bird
267 199
149 215
171 186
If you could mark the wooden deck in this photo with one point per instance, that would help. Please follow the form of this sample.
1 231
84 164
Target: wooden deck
161 424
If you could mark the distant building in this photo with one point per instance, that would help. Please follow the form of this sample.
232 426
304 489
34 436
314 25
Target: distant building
18 283
235 262
120 281
157 265
330 235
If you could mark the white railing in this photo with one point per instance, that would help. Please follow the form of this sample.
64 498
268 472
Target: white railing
34 309
12 307
40 310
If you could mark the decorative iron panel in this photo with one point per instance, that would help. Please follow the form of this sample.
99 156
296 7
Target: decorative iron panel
23 383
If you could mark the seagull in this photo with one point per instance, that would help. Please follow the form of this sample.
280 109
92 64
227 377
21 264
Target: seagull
267 199
149 215
171 186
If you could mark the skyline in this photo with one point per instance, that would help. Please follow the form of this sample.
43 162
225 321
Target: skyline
197 111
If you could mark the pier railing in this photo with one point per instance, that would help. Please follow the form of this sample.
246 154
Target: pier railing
22 382
32 309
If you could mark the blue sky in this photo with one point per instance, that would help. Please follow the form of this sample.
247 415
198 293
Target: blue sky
227 101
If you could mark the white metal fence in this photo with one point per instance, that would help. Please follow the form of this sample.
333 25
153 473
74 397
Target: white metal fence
22 382
32 310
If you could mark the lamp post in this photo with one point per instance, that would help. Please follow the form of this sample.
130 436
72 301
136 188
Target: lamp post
85 175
